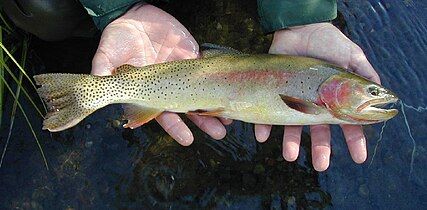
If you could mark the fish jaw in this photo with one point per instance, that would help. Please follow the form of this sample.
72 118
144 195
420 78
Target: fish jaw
372 108
357 100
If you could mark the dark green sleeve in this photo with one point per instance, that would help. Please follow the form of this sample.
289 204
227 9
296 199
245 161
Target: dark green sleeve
280 14
105 11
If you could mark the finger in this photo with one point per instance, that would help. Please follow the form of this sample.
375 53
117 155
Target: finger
262 132
187 48
176 128
225 121
210 125
101 65
291 142
361 66
320 146
356 142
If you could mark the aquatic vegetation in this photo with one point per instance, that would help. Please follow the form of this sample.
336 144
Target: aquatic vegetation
419 109
378 143
414 144
5 57
99 165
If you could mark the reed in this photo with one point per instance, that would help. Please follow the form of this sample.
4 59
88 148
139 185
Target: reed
17 72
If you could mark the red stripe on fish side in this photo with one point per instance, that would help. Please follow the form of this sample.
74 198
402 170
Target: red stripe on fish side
252 75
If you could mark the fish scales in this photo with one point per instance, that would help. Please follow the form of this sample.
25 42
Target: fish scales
266 89
215 79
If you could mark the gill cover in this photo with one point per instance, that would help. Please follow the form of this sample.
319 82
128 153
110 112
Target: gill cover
352 98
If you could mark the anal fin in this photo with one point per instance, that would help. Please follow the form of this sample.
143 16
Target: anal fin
301 105
138 115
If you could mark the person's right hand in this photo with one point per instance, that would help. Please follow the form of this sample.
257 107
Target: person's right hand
147 35
323 41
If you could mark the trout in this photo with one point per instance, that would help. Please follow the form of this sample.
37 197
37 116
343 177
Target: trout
262 89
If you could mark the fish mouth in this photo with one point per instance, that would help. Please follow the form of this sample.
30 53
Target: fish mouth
377 108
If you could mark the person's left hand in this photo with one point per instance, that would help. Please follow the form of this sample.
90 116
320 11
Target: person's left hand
323 41
147 35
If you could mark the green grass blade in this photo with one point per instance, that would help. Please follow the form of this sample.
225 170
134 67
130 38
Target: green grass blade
2 75
23 72
23 90
15 103
12 121
2 58
6 30
14 48
28 122
5 22
17 64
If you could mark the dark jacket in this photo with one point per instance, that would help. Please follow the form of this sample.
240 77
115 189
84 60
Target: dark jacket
274 14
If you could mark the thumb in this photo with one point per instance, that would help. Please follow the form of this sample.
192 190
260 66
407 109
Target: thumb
360 65
101 65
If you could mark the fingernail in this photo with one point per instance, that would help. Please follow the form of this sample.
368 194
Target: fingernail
261 136
359 155
217 132
359 158
185 138
290 152
321 162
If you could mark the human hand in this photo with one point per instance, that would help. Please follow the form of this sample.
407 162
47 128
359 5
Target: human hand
326 42
147 35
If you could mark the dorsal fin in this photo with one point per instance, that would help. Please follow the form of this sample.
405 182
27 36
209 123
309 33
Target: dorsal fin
124 68
212 50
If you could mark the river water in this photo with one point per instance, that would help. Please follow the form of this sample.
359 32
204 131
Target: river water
100 165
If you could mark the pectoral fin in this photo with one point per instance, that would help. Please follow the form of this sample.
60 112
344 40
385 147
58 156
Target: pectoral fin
300 105
138 115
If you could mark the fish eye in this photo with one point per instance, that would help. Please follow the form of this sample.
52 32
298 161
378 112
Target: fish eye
374 91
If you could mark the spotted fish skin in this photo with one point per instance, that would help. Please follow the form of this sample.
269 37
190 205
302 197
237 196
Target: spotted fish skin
242 87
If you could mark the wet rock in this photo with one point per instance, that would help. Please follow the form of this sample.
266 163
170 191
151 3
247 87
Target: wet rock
88 126
116 123
391 186
364 190
88 144
291 202
35 205
259 169
248 180
218 26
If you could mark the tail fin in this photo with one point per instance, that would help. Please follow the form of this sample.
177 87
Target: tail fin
64 94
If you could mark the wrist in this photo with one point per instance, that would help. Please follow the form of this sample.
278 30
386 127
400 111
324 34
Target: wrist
280 14
140 13
102 14
292 39
306 28
136 10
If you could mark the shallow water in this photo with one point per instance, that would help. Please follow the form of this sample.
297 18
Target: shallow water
98 164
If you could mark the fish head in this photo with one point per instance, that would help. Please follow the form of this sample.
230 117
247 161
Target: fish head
356 100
